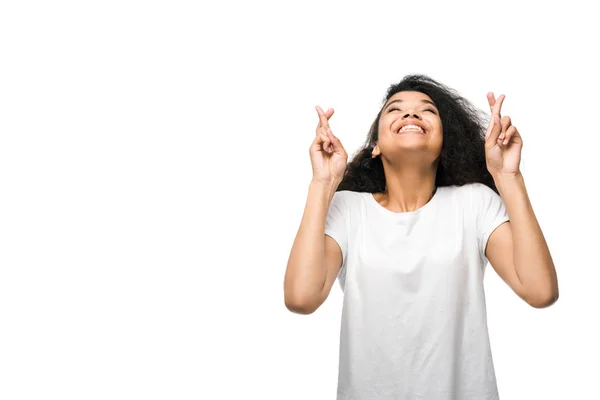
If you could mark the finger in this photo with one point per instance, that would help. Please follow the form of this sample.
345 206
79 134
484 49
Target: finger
322 141
510 134
491 100
318 144
494 129
489 127
498 105
336 144
329 113
327 129
506 123
322 116
326 143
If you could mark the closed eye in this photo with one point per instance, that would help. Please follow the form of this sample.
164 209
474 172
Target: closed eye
397 109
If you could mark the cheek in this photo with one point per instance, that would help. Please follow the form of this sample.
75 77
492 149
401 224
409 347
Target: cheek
437 122
438 127
384 125
385 121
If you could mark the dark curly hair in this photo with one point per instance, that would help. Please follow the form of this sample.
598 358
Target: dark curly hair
462 158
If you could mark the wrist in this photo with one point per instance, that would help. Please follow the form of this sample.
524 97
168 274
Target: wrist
329 186
334 182
506 180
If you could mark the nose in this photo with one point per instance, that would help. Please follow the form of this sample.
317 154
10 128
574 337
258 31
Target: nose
411 114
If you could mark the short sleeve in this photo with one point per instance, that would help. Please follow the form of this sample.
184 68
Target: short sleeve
491 213
336 224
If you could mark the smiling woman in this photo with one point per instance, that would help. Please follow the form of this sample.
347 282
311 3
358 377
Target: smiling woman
407 228
455 143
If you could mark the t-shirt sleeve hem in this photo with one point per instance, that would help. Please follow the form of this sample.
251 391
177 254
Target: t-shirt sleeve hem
493 226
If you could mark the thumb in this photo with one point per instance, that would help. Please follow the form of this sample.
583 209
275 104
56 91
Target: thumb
335 142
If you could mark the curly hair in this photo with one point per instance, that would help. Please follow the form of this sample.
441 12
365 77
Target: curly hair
462 158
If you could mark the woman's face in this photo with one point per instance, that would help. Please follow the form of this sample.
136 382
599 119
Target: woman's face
410 122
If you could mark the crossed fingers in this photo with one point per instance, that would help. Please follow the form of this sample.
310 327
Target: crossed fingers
323 129
500 130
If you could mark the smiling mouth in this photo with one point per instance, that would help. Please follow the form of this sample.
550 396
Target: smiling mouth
411 129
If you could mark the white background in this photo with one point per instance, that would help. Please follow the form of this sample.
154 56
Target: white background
154 168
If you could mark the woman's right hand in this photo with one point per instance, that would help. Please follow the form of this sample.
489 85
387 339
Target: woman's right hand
327 155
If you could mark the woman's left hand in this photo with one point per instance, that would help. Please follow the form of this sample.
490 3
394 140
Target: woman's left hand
503 142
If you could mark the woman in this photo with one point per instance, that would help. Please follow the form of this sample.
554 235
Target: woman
407 228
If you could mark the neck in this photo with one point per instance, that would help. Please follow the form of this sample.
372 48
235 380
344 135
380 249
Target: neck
408 188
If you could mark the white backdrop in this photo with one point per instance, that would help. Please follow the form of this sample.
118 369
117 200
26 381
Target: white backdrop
154 168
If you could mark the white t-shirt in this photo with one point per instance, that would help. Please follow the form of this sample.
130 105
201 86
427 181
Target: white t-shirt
414 323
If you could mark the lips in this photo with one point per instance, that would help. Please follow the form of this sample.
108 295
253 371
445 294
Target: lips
411 126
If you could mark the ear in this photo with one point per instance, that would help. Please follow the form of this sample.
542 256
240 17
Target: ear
376 151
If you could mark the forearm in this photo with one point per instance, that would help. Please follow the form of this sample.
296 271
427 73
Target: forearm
306 273
532 260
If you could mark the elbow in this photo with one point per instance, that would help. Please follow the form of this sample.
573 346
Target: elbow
301 297
541 295
543 301
300 304
300 308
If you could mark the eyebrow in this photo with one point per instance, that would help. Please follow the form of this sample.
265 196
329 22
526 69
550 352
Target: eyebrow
422 101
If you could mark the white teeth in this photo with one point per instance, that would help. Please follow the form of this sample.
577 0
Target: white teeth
411 128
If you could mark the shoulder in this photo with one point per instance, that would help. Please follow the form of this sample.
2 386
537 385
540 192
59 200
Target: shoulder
481 189
347 201
474 197
346 196
461 193
474 187
484 197
476 191
341 202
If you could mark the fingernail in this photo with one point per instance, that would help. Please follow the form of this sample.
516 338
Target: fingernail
505 141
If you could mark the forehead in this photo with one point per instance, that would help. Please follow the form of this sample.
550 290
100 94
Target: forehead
409 96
